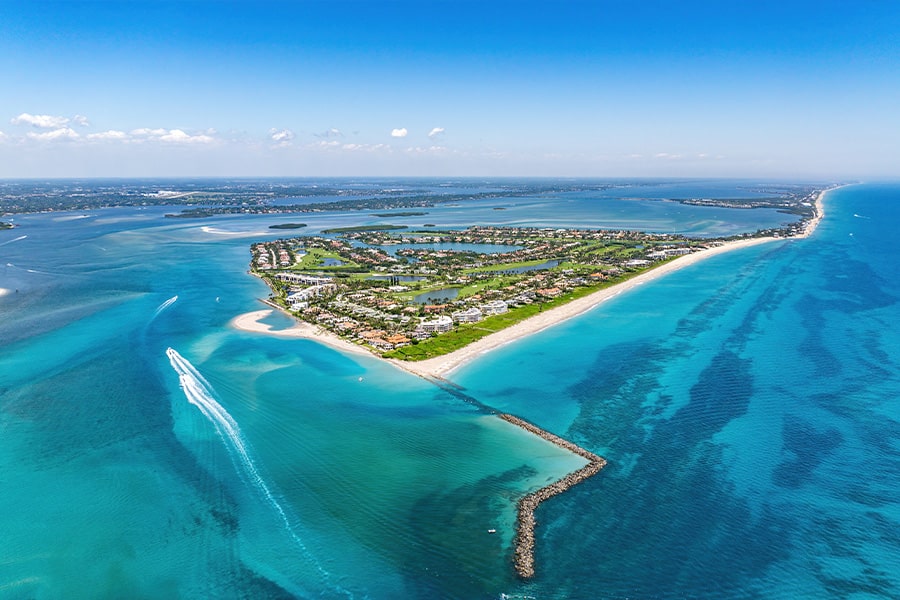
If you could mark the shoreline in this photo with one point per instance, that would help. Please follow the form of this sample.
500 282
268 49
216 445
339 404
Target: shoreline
440 366
820 214
250 322
435 368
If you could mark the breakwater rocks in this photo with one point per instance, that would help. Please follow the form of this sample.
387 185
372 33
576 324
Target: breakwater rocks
525 521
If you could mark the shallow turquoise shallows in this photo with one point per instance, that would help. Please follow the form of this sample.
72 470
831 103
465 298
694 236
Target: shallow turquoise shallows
748 407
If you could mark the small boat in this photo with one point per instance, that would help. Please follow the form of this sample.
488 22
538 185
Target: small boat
492 531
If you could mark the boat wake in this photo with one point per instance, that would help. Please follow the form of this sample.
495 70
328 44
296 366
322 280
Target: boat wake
21 237
200 393
165 305
9 264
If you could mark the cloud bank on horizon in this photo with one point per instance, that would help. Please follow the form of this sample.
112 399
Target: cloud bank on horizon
582 88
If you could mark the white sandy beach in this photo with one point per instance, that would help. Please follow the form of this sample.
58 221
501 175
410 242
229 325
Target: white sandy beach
442 365
820 214
251 322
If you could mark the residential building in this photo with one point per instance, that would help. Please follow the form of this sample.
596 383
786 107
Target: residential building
494 307
440 325
471 315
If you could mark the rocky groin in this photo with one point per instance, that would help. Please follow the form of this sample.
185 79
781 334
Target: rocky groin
525 521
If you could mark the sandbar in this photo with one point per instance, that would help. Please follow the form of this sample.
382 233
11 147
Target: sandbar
251 322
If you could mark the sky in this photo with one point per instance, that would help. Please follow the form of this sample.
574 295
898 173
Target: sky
599 88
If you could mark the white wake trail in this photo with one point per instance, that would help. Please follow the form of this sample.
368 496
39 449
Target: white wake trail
200 393
165 305
21 237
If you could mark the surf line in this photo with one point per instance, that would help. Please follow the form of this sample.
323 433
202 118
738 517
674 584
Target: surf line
199 392
523 557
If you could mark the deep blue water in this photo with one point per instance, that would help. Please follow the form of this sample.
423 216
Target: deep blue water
747 406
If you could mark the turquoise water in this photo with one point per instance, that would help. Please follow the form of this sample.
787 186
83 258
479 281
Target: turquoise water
747 406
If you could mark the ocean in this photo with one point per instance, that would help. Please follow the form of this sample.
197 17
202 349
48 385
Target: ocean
746 405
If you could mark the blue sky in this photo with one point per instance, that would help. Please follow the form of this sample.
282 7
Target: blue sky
483 88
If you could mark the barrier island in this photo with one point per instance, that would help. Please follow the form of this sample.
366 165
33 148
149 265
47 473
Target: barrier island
415 296
446 297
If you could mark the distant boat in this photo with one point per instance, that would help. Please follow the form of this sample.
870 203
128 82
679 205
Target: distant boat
492 531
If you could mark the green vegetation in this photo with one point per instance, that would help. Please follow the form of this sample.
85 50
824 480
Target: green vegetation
287 226
540 268
315 257
361 228
464 334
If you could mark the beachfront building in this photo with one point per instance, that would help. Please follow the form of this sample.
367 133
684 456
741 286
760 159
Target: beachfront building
397 340
494 307
668 253
471 315
313 291
304 279
440 325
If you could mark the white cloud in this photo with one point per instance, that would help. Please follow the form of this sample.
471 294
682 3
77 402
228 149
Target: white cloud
63 133
112 134
325 144
146 132
433 150
332 146
81 120
41 121
367 148
333 132
399 133
435 132
282 136
178 136
172 136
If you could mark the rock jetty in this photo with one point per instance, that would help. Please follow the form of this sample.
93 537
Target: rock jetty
525 521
